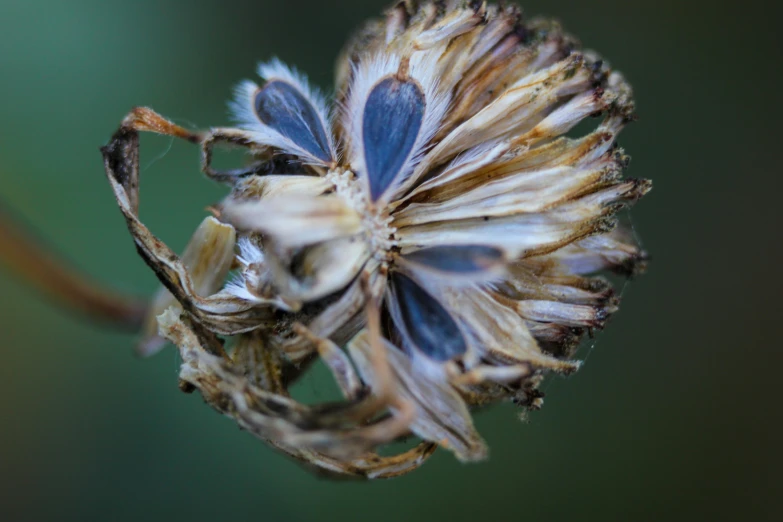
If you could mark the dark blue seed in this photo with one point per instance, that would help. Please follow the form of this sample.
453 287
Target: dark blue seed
458 258
282 107
426 323
391 123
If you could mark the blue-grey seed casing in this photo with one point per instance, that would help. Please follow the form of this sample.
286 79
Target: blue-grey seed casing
426 324
282 107
392 119
457 258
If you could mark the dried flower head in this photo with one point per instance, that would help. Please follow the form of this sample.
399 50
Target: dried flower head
430 238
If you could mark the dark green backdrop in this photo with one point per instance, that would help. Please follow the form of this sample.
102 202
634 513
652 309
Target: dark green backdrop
675 416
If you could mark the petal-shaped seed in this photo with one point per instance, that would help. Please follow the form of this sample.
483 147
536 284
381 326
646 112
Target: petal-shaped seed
391 122
458 258
280 106
426 324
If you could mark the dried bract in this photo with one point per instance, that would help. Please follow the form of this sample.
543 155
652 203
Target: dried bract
431 239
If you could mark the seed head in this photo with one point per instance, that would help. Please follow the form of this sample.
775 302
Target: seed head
430 234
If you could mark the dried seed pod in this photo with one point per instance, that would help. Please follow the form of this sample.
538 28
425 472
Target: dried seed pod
440 261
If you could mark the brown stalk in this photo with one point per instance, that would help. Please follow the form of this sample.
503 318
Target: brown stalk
63 283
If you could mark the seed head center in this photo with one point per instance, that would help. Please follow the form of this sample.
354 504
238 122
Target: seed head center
376 221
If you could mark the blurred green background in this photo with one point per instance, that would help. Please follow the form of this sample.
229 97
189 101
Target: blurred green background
675 416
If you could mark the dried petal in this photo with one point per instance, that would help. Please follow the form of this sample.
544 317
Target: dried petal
497 333
562 313
253 188
522 105
520 235
455 24
295 221
616 251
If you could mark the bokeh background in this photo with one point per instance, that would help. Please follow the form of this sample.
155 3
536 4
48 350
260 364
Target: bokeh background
675 416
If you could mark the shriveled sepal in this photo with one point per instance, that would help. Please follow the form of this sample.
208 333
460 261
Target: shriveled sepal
317 435
441 414
222 313
207 258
